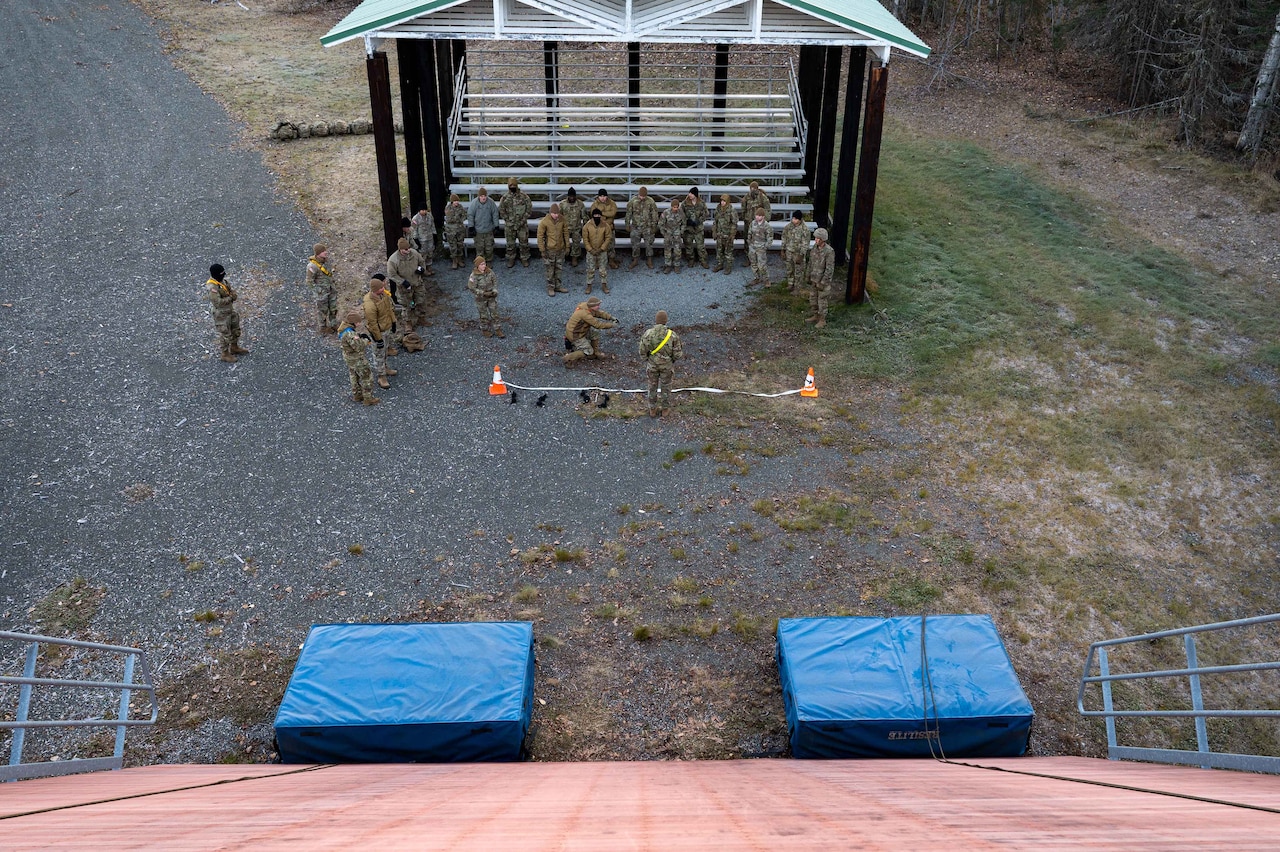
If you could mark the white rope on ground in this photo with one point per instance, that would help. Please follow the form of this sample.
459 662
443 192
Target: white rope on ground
646 390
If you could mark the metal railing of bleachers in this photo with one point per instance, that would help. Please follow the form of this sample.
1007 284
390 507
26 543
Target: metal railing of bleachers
1203 756
21 722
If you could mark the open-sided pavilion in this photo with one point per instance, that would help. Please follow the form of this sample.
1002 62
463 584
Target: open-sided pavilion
770 115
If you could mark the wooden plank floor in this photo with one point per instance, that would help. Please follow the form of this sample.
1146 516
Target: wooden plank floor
704 806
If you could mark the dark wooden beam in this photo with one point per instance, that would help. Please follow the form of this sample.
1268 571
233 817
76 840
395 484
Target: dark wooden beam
429 92
415 169
848 153
444 92
633 90
810 83
721 88
551 75
384 146
826 137
868 168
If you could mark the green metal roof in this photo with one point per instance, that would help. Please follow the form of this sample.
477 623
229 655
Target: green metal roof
863 16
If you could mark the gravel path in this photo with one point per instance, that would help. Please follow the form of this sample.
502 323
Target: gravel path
122 182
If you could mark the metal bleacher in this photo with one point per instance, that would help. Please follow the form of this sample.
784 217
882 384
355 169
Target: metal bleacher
591 134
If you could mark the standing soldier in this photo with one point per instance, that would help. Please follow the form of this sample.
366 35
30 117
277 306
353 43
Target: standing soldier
408 286
582 331
672 226
725 229
575 216
759 238
642 223
597 237
353 347
515 210
423 237
660 348
754 200
483 214
695 229
822 271
553 242
609 212
483 284
455 231
221 298
320 280
795 242
380 321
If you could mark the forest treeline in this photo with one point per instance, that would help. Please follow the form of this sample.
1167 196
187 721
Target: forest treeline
1212 63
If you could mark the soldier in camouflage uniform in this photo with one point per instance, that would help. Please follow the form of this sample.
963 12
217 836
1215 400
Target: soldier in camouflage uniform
455 231
483 215
408 286
754 200
221 298
695 228
822 272
759 238
515 210
553 242
642 223
597 237
354 345
609 212
672 226
423 237
320 282
724 228
575 216
795 242
483 284
582 331
380 322
660 348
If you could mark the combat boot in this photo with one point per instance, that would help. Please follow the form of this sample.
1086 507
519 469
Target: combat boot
237 349
524 261
705 265
497 332
648 261
588 288
717 267
635 261
811 318
605 286
666 269
571 358
383 383
357 397
389 372
511 262
486 332
728 269
821 323
613 263
560 288
675 268
453 263
371 400
227 356
550 290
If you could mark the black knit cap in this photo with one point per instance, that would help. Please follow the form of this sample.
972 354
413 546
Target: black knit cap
798 215
405 223
216 271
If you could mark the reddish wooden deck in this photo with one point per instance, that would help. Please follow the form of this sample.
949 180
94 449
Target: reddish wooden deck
705 806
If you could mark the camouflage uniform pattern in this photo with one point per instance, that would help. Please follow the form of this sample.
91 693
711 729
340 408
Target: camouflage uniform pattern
755 200
822 272
609 215
672 226
759 238
695 229
410 299
378 319
642 223
355 356
795 242
423 236
455 230
724 228
515 210
221 297
484 286
598 241
484 218
553 243
320 280
582 333
575 216
660 364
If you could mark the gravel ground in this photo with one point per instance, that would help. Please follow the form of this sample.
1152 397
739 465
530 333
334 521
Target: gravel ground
180 485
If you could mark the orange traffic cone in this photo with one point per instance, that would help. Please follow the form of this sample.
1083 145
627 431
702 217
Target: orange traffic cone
497 388
809 389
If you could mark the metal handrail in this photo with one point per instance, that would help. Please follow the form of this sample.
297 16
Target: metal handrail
21 723
1203 756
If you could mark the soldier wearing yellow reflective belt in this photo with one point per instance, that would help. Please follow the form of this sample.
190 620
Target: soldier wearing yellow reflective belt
660 347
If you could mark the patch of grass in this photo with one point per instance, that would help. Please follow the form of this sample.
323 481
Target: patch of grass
681 454
526 594
744 625
69 608
623 509
565 554
607 611
912 594
684 584
643 633
355 549
207 616
678 554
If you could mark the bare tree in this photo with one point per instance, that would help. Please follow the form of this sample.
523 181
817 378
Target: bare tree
1264 95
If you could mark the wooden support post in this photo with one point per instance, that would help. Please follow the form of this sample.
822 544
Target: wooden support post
410 110
551 75
633 93
848 154
826 137
428 90
384 146
722 89
810 84
868 168
444 91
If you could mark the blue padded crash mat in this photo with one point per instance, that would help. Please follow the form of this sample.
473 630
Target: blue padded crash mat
857 687
395 693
